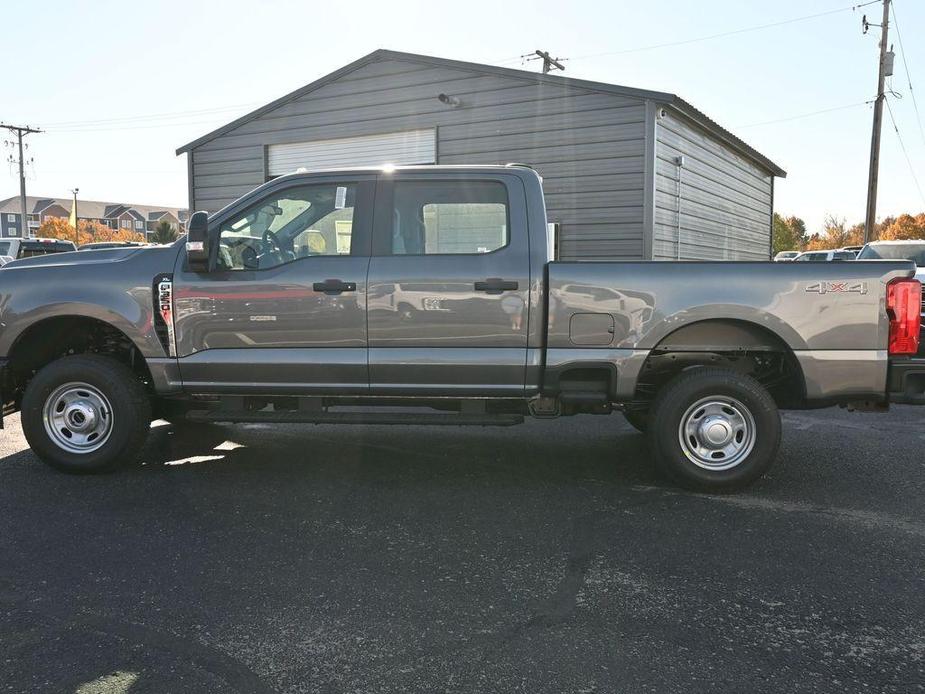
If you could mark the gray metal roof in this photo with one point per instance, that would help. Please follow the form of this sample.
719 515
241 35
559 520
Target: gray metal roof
666 98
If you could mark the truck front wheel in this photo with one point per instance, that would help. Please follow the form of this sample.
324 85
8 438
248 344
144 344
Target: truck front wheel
85 413
714 430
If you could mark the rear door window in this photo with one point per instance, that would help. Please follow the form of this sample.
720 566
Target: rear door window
449 217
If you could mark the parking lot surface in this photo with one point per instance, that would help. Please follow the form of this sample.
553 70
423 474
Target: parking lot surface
540 558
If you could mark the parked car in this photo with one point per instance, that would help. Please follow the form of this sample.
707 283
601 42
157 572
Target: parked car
27 248
853 249
823 256
101 245
900 250
785 256
435 288
896 250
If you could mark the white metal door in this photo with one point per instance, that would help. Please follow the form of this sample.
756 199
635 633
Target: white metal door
402 148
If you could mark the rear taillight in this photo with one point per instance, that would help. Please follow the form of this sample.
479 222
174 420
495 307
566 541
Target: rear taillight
903 306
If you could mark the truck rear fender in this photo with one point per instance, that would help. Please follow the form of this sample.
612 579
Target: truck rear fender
738 322
733 343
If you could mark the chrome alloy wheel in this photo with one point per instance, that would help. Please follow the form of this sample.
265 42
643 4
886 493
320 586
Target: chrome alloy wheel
717 433
78 418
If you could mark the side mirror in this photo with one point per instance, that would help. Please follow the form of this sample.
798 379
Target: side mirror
197 242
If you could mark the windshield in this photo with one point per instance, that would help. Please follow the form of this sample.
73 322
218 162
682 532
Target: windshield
898 251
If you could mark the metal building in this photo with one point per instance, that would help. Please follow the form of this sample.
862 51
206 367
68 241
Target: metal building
628 173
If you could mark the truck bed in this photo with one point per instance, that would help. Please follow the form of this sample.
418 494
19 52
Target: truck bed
627 309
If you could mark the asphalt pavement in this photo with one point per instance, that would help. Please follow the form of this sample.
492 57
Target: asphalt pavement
541 558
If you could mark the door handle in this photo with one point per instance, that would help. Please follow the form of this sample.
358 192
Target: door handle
331 287
495 285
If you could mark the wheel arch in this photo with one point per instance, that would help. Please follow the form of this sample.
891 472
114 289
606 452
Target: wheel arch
722 334
735 342
754 321
52 337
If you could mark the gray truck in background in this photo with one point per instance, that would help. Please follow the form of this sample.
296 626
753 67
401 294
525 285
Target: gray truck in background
429 295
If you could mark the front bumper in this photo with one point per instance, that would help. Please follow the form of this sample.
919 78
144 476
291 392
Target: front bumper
906 380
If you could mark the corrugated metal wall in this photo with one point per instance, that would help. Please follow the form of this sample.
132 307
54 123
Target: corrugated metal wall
589 146
725 199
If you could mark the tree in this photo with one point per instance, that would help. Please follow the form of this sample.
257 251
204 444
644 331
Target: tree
788 234
164 233
781 236
835 234
798 228
905 227
87 232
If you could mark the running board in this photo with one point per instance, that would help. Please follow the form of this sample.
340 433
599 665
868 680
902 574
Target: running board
303 417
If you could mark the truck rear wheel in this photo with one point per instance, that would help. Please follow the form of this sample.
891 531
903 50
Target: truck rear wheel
714 430
85 413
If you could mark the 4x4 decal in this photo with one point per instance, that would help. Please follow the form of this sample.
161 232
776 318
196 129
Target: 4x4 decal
837 287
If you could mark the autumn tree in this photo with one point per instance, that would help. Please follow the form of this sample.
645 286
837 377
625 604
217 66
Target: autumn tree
836 234
904 228
87 232
856 235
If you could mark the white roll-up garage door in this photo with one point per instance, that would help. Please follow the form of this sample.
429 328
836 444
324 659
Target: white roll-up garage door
404 148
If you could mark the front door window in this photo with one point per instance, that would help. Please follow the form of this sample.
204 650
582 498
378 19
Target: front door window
300 222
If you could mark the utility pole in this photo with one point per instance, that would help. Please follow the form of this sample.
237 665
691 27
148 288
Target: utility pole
76 223
549 63
19 131
871 219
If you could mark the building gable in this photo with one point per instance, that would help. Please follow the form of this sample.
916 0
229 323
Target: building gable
387 65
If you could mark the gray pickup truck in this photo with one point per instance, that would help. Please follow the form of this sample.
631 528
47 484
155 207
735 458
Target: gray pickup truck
429 295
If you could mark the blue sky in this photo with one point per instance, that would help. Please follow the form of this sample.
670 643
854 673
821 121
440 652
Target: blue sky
120 85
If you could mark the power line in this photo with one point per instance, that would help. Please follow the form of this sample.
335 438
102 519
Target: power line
509 59
806 115
727 33
903 147
114 128
151 116
902 52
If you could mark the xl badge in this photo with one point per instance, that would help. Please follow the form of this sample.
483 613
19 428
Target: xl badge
837 288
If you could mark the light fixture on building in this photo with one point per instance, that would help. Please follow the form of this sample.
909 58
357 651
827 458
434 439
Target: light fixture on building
450 101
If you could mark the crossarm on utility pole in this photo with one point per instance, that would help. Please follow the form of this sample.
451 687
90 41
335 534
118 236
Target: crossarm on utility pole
20 131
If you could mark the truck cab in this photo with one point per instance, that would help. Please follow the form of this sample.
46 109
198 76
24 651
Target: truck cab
417 283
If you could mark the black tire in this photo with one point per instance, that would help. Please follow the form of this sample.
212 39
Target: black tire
129 404
741 407
638 419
